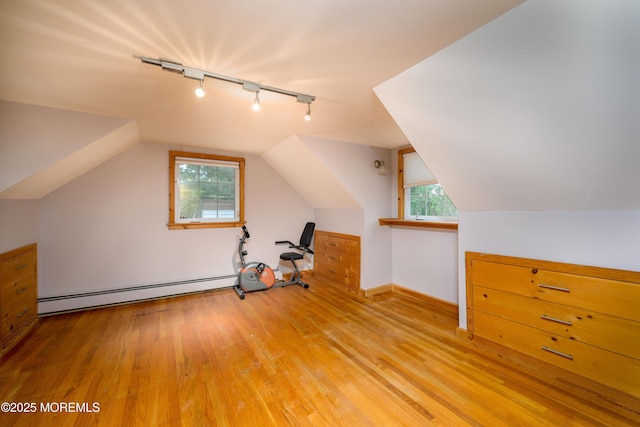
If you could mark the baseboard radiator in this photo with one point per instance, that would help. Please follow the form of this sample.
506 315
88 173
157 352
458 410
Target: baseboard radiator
58 304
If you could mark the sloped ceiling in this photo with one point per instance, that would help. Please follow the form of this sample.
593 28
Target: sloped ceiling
78 55
538 110
43 148
310 177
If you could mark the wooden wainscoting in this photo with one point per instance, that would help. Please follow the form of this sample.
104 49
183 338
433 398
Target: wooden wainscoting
321 356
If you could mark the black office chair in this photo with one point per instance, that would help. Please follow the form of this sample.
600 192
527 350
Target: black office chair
303 248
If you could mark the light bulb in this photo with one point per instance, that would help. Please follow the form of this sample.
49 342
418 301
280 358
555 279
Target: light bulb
307 116
256 103
200 90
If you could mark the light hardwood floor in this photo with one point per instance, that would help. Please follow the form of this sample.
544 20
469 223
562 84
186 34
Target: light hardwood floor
289 356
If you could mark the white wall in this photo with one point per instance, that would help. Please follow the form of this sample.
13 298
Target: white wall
536 110
530 124
423 259
308 175
345 221
42 148
352 165
601 239
107 230
426 261
18 223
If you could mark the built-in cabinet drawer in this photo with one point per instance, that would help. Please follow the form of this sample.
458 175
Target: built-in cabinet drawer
583 319
337 258
601 330
607 367
15 291
578 290
16 319
18 295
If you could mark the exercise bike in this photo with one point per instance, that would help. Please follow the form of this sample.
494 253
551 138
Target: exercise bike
258 276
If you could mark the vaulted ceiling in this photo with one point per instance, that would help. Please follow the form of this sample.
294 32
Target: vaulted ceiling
78 55
534 109
538 110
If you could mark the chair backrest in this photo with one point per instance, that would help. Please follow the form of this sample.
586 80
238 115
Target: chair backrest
307 234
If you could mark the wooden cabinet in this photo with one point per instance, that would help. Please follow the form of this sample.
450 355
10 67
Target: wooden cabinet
18 295
583 319
337 258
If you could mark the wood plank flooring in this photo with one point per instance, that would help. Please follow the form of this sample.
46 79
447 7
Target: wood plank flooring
289 356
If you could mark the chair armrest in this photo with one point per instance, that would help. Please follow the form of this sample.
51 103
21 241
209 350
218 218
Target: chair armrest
302 248
282 242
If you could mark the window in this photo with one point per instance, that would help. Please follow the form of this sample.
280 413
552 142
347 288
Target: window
205 190
419 194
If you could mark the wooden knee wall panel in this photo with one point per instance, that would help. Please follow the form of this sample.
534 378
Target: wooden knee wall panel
337 258
18 295
583 319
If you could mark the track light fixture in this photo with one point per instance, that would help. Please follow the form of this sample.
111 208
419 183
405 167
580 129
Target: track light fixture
194 73
252 87
200 90
306 99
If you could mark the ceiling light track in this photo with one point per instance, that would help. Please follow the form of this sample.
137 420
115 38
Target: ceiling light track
196 74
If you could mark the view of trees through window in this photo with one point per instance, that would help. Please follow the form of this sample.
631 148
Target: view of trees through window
207 192
431 201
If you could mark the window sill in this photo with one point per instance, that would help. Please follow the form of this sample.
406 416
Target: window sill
188 225
394 222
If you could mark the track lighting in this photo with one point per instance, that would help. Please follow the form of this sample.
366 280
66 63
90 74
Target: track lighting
253 87
193 73
200 90
306 99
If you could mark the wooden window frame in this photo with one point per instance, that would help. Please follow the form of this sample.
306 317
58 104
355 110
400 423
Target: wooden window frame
401 154
400 221
173 225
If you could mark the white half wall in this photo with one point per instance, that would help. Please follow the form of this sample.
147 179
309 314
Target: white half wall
426 260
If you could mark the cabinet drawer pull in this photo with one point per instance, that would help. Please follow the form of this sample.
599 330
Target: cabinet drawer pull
333 244
22 313
556 352
22 267
554 288
553 319
332 271
333 258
